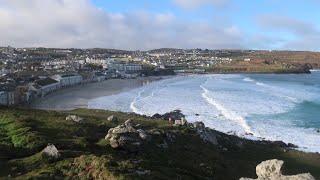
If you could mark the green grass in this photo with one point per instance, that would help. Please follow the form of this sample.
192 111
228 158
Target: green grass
86 155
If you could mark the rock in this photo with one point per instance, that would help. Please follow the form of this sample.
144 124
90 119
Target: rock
51 152
143 135
143 172
164 145
126 137
205 134
175 115
155 132
171 137
157 116
177 122
318 130
271 170
74 118
112 118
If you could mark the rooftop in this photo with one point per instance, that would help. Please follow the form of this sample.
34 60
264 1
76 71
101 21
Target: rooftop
46 81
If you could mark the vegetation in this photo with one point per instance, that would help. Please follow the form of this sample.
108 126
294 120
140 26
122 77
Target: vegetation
264 66
86 155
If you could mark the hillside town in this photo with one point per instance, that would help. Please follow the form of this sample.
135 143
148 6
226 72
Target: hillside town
30 73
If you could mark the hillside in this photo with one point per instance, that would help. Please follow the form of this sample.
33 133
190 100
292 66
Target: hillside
166 152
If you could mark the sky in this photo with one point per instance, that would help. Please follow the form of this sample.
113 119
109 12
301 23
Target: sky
151 24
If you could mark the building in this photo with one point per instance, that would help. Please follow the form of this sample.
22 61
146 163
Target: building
103 62
125 67
68 79
3 98
45 86
7 94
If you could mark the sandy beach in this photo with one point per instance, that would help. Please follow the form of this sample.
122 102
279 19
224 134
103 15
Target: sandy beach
79 96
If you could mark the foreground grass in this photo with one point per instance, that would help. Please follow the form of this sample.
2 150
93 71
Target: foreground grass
86 155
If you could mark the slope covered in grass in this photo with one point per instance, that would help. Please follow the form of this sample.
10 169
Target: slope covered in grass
85 154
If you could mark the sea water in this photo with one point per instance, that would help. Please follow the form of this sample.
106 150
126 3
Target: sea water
256 106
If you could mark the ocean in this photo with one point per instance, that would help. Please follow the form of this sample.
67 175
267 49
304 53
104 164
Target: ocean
272 107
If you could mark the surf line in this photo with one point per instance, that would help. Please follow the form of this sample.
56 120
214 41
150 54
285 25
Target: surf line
225 112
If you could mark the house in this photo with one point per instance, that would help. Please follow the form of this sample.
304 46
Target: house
7 94
3 98
68 79
124 67
45 86
99 76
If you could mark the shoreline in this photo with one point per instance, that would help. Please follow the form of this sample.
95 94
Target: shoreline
78 96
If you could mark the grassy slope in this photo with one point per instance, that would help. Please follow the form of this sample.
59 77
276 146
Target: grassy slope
255 67
86 154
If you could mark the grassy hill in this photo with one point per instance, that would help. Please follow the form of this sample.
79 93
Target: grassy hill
85 154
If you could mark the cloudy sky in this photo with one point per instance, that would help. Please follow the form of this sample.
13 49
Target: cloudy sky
148 24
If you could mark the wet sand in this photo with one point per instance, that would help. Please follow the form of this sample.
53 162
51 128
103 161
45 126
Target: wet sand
79 96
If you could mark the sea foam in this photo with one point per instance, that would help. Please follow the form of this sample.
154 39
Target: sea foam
232 104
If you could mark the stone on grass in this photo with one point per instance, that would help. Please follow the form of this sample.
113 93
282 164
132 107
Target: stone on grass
205 134
51 152
74 118
126 137
112 118
271 170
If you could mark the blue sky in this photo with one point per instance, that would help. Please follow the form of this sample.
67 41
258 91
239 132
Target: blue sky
148 24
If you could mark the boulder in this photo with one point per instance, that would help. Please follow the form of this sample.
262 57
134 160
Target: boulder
51 152
180 122
175 115
271 170
112 118
74 118
205 134
126 137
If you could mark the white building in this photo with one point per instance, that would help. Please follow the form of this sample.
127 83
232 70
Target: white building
45 86
103 62
7 98
125 67
68 79
3 98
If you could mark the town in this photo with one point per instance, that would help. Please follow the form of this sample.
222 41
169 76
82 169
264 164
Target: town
30 73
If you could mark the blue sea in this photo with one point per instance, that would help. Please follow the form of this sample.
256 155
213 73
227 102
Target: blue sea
255 106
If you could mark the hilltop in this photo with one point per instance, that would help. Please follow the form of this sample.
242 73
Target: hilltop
142 148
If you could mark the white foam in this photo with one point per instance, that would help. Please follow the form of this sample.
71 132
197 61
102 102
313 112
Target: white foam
225 112
225 103
247 79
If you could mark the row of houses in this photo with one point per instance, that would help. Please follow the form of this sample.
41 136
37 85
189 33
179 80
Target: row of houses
11 94
47 85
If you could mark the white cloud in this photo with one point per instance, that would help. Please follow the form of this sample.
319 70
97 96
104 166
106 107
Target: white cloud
303 35
77 23
192 4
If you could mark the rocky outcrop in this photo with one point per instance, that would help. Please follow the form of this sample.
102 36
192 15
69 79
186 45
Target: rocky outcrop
205 134
112 118
126 137
74 118
180 122
174 115
51 152
271 170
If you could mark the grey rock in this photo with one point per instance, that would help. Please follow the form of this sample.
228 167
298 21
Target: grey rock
271 170
112 118
51 151
125 136
74 118
205 134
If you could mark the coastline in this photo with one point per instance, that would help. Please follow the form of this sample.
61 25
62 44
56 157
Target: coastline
79 96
